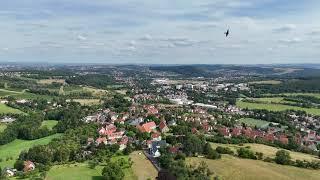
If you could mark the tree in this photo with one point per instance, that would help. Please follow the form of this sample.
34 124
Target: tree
112 171
283 157
213 155
193 145
19 165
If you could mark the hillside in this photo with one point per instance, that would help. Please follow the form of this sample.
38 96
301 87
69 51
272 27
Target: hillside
230 168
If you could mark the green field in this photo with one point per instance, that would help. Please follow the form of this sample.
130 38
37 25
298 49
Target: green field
2 127
254 122
14 148
230 168
4 93
268 151
317 95
81 171
141 169
275 107
49 123
4 109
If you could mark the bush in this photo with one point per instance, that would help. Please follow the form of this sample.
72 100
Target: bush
112 171
224 150
246 153
213 155
283 157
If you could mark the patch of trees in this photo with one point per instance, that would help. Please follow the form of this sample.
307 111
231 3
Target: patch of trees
25 127
178 168
291 86
117 103
95 80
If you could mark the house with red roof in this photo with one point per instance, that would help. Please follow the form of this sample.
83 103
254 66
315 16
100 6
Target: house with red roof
224 131
283 139
101 140
269 137
236 131
147 127
123 143
163 126
156 136
28 166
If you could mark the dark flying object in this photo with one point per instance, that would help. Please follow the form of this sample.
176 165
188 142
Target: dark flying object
227 33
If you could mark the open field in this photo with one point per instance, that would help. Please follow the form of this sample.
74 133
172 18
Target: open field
50 81
317 95
142 167
268 151
254 122
276 107
2 127
5 92
49 123
88 102
81 171
77 171
230 168
6 109
266 82
14 148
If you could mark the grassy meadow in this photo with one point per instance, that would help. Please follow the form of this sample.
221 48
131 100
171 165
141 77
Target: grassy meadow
4 109
254 122
49 123
230 168
142 167
275 107
268 151
13 149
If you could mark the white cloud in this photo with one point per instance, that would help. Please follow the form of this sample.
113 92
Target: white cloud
285 28
81 37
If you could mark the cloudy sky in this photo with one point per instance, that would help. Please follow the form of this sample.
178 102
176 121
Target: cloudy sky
160 31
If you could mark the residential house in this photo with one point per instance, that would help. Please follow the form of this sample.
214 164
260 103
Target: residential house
163 126
123 143
147 127
156 136
155 148
225 132
8 172
28 166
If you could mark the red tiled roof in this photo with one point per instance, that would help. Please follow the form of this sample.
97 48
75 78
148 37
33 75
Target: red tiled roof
147 127
162 125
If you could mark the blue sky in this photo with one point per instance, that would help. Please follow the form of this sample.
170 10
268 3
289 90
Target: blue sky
160 31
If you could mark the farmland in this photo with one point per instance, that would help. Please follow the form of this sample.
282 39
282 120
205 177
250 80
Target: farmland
254 122
4 109
275 107
13 149
268 151
229 168
142 167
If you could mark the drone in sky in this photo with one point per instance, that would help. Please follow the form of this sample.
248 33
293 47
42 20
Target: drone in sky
227 33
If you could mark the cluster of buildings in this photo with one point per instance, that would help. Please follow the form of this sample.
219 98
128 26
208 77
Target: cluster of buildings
27 167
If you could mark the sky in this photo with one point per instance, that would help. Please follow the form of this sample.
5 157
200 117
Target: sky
160 31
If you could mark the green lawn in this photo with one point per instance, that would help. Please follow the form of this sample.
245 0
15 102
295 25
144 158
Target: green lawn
230 168
81 171
14 148
6 109
254 122
276 107
2 127
4 93
49 123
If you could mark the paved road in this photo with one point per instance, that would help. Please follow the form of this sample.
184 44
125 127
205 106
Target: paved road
153 160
